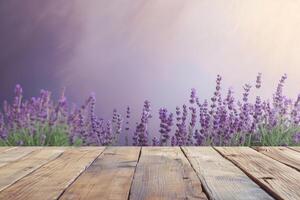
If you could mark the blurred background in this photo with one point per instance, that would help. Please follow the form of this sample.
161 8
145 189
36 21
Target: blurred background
128 51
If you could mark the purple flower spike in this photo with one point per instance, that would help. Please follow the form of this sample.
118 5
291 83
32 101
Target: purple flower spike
108 134
166 122
216 121
141 134
247 88
278 98
181 131
230 99
199 138
18 90
193 96
127 118
127 125
155 141
193 116
258 81
173 141
296 138
217 95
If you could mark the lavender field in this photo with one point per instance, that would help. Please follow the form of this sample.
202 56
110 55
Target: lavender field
149 99
221 120
152 66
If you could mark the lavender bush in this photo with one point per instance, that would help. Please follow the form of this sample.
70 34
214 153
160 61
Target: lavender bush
221 120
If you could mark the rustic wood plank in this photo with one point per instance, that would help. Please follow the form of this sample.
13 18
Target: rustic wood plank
165 173
4 149
14 154
50 180
282 154
220 178
14 171
109 177
278 179
295 148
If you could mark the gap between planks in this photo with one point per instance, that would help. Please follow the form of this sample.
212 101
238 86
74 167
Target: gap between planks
66 189
276 178
4 149
284 155
165 173
220 178
295 148
50 180
13 154
109 176
138 160
24 166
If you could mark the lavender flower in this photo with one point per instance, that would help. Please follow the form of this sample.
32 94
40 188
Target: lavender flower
117 125
245 110
199 138
193 96
192 125
278 96
155 141
229 101
108 136
166 122
127 118
193 117
127 125
181 132
222 121
258 81
173 141
141 134
3 131
296 138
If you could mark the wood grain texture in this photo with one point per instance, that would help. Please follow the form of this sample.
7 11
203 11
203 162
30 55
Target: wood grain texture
220 178
4 149
109 177
165 173
14 154
50 180
278 179
14 171
282 154
295 148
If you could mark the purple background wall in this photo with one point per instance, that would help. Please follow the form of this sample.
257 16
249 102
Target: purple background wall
128 51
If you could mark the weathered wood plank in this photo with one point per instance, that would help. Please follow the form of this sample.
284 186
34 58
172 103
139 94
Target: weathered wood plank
282 154
14 154
109 177
278 179
165 173
14 171
4 149
295 148
50 180
220 178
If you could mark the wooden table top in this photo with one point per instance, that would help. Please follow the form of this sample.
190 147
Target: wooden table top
149 173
